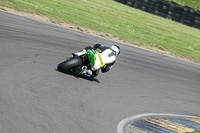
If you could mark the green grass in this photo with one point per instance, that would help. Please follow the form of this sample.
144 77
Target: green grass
129 24
191 3
197 131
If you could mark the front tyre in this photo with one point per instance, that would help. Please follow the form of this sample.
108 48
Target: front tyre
69 64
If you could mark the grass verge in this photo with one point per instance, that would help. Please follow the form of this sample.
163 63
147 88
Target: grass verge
118 20
197 131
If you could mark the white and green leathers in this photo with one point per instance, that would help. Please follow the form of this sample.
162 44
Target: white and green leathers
100 57
106 57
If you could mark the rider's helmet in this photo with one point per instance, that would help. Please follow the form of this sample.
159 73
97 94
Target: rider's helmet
116 49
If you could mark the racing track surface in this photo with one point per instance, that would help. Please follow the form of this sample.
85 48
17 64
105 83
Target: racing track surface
35 98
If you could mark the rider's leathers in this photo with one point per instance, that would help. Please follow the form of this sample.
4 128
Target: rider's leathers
104 60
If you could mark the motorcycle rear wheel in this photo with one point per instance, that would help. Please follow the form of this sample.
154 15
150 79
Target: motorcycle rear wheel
71 63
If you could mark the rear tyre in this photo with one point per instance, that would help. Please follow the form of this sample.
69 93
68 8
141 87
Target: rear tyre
69 64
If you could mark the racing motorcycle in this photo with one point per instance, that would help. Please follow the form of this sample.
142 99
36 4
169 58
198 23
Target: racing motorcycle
79 64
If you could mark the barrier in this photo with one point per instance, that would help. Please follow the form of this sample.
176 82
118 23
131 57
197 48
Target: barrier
167 9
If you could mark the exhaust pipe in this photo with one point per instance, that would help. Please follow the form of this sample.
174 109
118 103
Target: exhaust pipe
80 71
84 68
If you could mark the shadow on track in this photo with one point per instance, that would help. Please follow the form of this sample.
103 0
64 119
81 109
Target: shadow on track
86 77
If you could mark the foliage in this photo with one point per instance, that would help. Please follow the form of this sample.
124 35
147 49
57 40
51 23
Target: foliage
191 3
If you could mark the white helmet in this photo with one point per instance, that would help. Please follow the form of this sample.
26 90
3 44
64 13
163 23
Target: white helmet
116 49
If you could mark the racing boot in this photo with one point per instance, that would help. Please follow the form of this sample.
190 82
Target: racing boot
88 72
79 53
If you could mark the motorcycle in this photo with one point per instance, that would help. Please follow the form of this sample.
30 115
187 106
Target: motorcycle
79 64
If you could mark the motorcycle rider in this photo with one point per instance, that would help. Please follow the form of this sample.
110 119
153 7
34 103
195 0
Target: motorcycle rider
105 59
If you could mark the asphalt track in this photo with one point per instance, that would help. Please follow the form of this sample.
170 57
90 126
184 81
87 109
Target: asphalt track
35 98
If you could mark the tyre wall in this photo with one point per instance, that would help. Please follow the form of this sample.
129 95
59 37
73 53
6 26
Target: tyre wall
167 9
